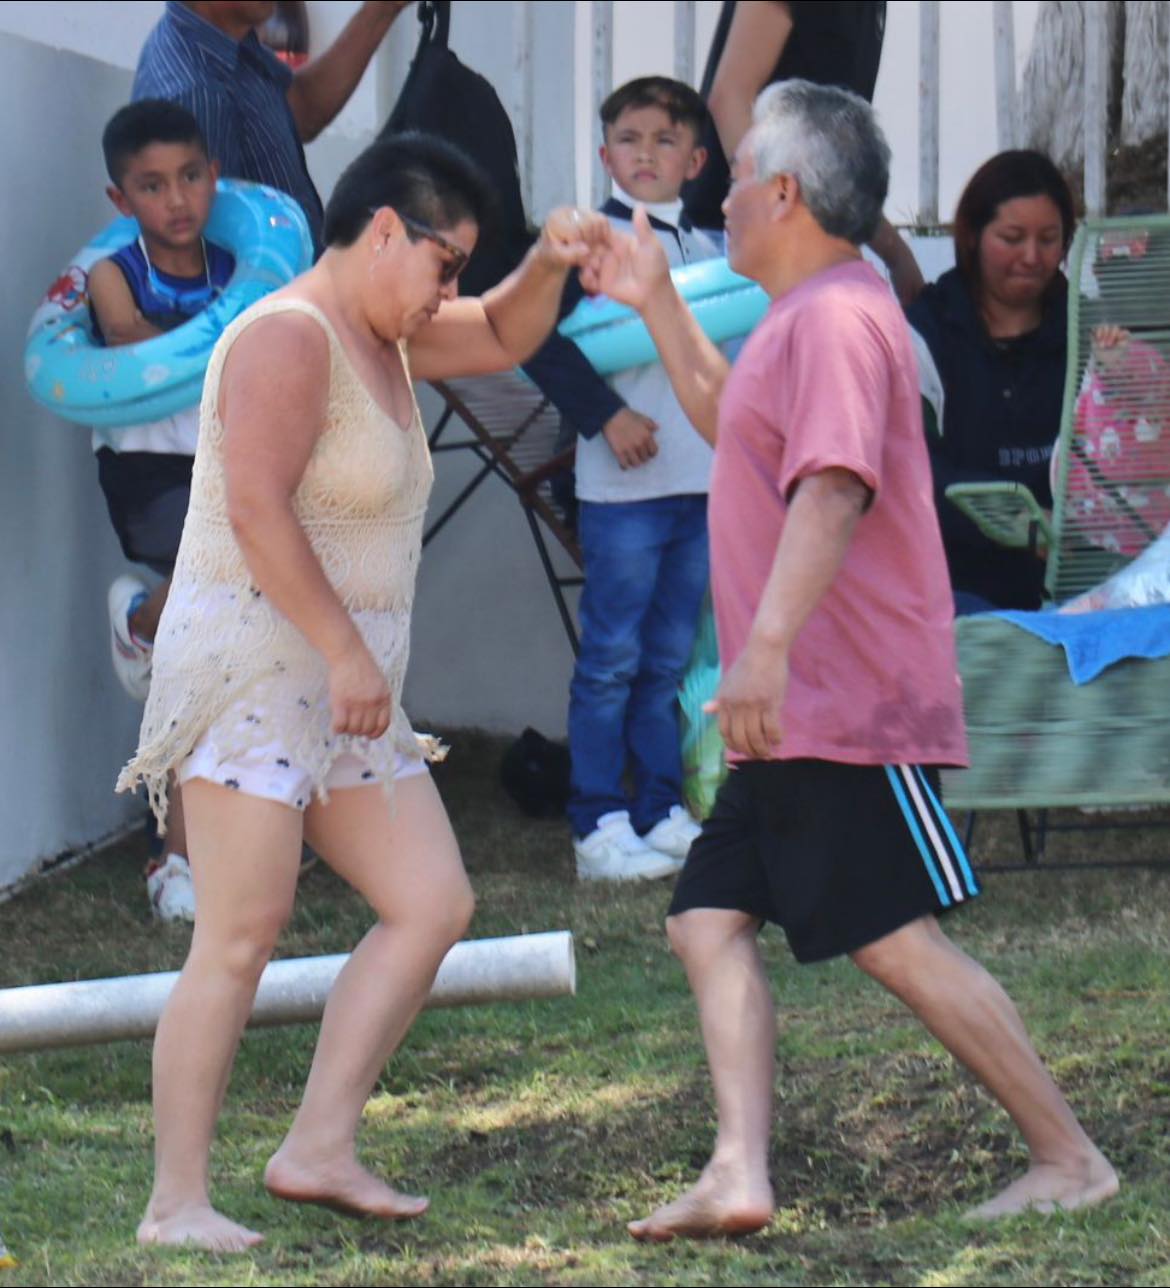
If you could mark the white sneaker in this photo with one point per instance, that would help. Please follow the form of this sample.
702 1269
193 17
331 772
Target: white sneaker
131 658
171 893
673 834
615 852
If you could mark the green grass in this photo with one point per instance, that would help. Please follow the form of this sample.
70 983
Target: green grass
539 1129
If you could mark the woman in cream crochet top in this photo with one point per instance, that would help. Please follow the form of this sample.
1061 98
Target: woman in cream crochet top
279 659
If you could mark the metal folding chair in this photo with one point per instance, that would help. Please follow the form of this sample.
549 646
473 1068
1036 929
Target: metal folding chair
515 433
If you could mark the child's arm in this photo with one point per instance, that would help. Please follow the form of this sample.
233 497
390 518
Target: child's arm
568 380
115 307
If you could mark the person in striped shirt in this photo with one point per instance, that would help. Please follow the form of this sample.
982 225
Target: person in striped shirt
255 112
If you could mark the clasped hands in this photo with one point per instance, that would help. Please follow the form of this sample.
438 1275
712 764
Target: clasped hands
628 269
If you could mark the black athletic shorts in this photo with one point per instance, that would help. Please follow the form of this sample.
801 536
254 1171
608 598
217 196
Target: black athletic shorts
147 495
837 855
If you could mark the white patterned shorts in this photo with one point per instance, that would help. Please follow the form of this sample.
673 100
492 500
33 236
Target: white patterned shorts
270 771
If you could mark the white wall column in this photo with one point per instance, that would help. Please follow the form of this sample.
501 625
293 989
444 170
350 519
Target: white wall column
602 76
928 104
684 41
1096 106
1006 127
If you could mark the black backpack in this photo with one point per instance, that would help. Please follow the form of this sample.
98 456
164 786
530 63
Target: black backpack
441 96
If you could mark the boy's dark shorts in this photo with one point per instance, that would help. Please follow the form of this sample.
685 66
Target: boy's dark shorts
837 855
147 495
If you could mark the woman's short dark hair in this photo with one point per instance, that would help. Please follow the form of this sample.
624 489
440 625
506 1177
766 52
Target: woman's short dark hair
419 175
1019 173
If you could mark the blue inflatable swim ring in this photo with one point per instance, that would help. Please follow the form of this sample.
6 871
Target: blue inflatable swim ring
132 384
614 338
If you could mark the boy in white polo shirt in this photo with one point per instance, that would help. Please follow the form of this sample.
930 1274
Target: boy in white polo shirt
641 481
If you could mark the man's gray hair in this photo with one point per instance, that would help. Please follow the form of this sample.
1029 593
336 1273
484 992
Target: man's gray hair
829 140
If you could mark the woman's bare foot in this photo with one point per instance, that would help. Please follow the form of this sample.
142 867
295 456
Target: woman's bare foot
1047 1187
200 1226
345 1186
713 1206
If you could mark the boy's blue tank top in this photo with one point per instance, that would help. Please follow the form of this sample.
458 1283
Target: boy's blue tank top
166 301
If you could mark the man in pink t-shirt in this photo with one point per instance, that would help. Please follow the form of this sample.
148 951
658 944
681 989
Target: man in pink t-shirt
840 692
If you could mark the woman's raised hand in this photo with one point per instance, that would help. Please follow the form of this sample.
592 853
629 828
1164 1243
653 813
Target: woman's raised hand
628 269
358 693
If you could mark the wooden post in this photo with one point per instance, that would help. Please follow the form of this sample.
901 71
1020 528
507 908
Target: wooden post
1006 129
1096 106
602 84
928 78
684 41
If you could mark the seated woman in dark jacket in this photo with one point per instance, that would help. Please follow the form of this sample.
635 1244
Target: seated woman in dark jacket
995 327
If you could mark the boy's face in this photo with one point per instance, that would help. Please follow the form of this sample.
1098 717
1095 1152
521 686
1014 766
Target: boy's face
649 156
168 188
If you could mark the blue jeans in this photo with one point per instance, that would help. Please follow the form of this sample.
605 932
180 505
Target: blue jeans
645 576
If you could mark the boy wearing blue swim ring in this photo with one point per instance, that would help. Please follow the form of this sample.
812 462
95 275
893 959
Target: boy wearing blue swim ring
160 175
641 480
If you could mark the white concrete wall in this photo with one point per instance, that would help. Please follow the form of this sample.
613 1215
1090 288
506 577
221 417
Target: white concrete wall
489 649
66 726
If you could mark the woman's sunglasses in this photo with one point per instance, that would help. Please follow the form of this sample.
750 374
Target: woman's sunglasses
415 229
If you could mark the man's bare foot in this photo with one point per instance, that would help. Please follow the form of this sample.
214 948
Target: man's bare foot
710 1208
344 1186
1047 1187
200 1227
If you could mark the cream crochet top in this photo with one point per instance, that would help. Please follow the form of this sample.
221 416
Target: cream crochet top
361 503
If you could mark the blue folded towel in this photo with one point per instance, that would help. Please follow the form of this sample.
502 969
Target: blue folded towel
1094 641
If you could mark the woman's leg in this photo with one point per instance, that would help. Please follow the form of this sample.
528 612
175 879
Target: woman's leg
404 859
244 857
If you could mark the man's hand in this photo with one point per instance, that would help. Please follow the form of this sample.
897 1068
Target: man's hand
630 436
749 699
629 269
572 237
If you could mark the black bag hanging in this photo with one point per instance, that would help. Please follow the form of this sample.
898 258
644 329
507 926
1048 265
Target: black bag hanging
441 96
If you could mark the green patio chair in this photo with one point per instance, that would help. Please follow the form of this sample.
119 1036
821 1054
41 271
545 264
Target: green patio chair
1037 740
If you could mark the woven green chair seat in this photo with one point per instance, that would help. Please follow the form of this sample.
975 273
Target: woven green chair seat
1038 740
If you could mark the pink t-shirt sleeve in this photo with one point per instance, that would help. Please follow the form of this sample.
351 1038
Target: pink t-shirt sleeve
835 401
